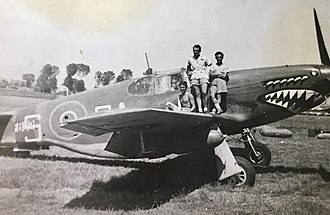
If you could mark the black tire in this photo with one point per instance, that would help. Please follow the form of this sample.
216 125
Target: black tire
264 155
245 178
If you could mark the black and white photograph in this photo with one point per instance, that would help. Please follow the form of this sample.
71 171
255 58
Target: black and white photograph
164 107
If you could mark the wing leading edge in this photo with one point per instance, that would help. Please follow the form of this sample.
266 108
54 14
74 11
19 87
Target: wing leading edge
135 119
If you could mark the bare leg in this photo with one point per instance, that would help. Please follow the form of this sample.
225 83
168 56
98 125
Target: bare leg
203 95
215 100
171 106
223 102
213 97
213 94
219 109
198 98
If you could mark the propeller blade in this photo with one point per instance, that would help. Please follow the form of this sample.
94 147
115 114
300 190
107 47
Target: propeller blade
322 49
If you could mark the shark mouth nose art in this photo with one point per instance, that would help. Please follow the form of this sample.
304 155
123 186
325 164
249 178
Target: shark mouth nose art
294 100
285 80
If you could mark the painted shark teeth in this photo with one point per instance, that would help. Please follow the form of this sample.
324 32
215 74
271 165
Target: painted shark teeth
285 80
276 82
292 99
304 77
297 79
269 83
290 79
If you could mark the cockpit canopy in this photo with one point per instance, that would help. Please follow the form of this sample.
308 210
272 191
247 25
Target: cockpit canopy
155 84
63 91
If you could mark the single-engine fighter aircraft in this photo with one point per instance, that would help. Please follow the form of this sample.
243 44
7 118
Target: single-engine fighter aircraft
129 120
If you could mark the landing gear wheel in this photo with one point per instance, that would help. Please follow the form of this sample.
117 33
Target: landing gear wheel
263 157
245 178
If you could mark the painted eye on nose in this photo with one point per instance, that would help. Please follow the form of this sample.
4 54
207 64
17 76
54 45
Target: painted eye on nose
314 73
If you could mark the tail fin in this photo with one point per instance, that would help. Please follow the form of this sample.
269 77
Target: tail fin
322 48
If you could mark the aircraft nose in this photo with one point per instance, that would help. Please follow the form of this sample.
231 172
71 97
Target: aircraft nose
325 84
326 73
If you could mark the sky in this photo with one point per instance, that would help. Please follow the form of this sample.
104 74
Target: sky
116 34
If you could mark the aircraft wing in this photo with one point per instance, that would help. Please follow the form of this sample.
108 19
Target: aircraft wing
135 119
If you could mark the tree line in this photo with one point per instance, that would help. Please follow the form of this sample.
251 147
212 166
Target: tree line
47 81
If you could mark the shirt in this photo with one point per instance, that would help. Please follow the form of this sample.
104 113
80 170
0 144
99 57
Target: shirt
199 67
217 76
217 71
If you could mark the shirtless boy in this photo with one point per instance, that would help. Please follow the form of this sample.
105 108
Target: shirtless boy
185 100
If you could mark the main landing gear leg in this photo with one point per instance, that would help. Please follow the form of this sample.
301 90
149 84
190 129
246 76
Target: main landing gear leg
143 153
257 153
235 170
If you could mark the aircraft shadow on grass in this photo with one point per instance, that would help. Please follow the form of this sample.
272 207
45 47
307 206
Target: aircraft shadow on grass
153 184
147 187
189 160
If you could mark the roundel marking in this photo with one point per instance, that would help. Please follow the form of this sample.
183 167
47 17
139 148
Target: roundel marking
66 115
68 110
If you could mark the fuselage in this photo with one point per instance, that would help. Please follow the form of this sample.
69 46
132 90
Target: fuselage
255 97
264 95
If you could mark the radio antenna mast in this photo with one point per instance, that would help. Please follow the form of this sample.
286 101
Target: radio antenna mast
147 60
149 70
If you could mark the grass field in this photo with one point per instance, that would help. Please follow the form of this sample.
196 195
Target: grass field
10 103
13 99
60 182
26 94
